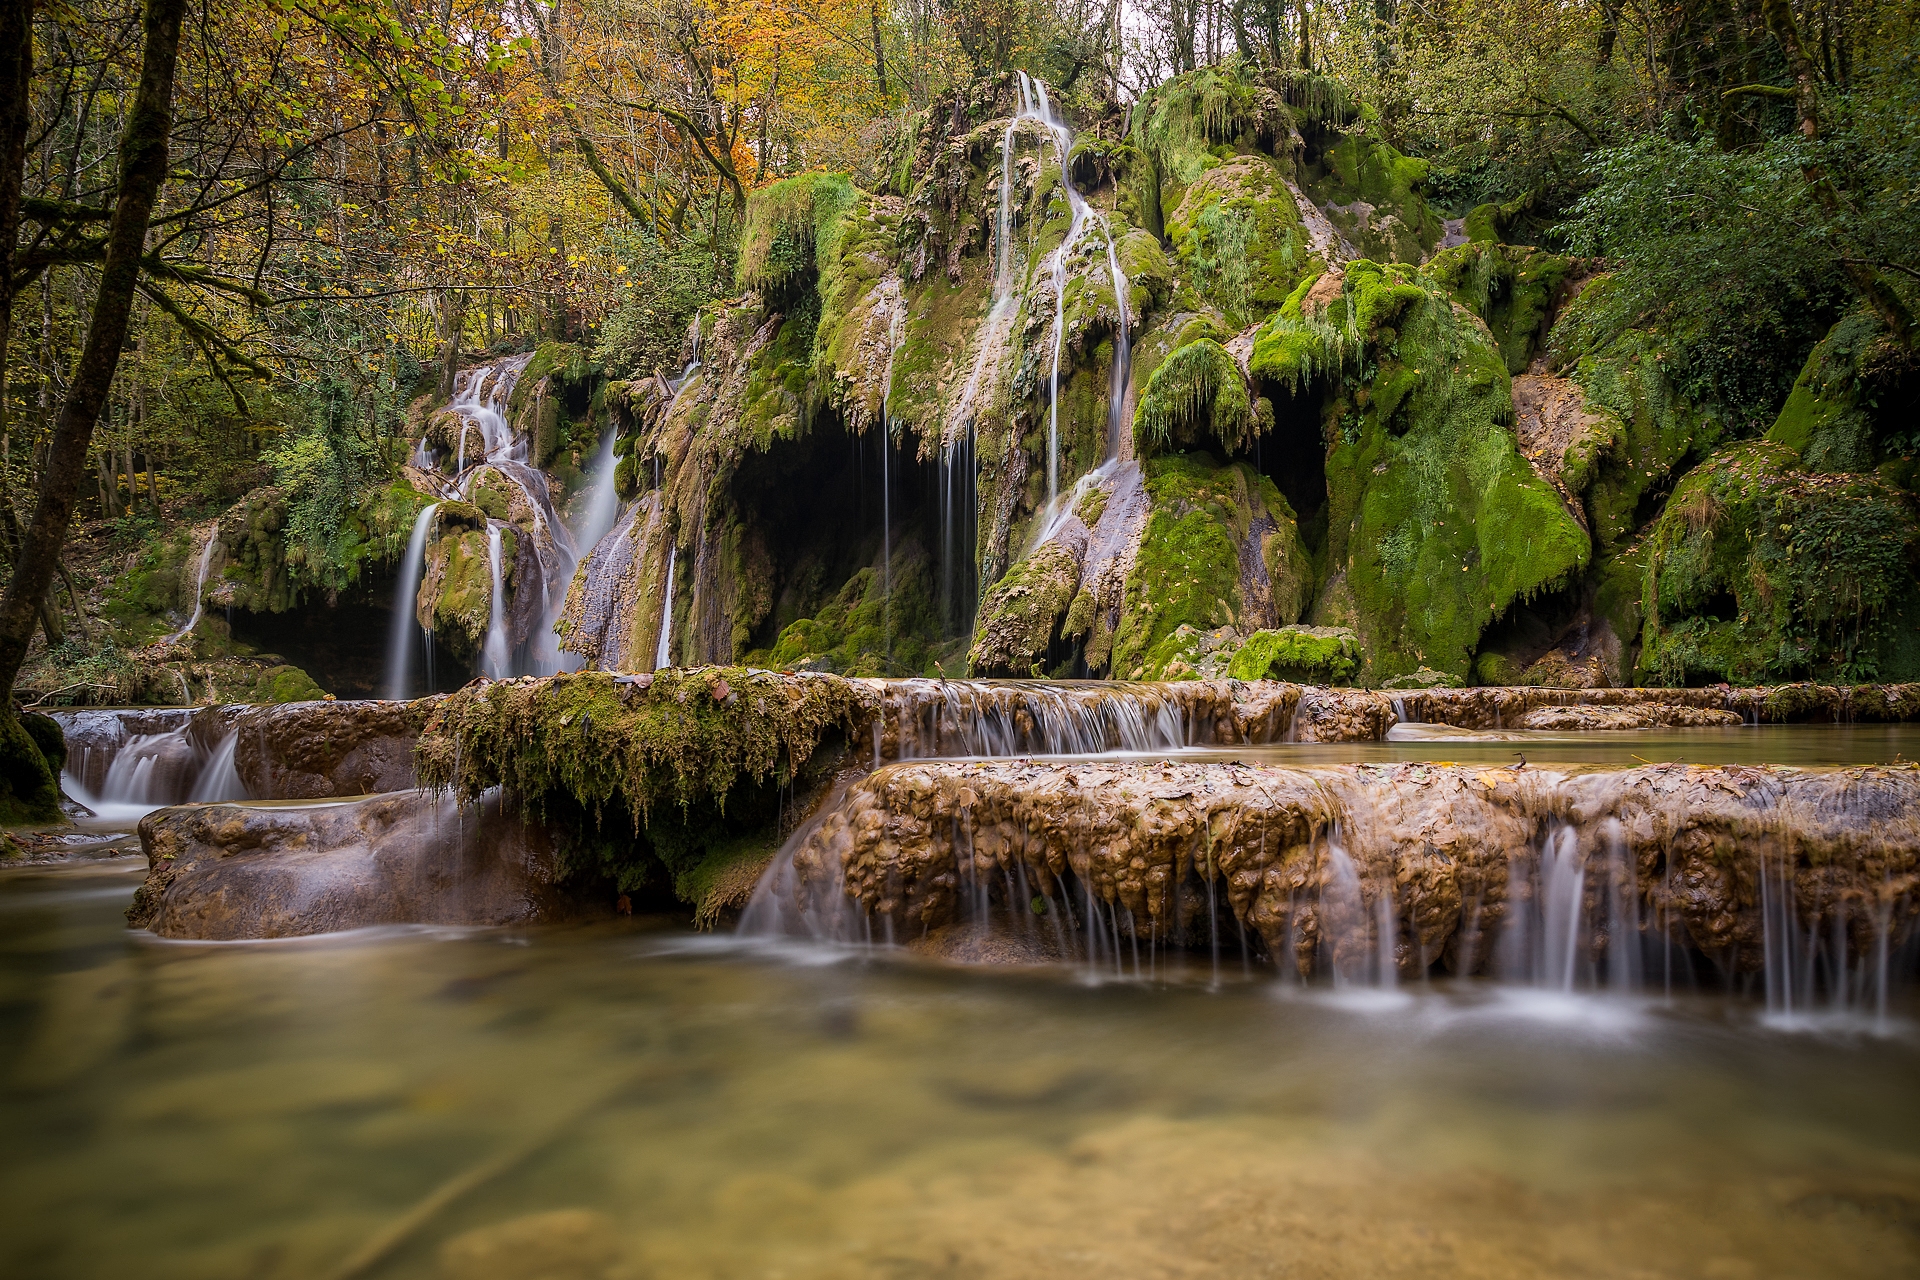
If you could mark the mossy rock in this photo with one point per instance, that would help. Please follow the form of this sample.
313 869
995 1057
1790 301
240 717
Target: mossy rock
1202 533
1239 241
1436 524
1373 194
1304 655
1831 417
1511 287
1022 614
289 684
29 786
1760 571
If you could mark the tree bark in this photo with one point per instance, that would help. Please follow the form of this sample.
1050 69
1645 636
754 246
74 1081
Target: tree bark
143 170
879 55
16 110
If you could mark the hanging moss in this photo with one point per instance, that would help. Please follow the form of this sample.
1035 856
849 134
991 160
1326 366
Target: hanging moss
1196 393
792 229
1759 570
681 739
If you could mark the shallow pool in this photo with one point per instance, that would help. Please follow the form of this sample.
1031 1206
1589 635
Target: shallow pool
628 1101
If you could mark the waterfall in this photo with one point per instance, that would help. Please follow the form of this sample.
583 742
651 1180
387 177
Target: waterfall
942 718
1035 101
894 329
124 764
405 606
603 504
662 653
495 655
199 585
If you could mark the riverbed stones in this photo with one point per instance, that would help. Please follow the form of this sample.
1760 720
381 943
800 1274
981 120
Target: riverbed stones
233 871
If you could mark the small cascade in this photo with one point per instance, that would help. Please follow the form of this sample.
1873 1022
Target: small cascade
1828 964
930 719
494 657
602 506
199 586
124 764
663 651
406 608
1371 876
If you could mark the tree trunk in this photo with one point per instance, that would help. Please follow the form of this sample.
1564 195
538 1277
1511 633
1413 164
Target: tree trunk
879 56
143 170
16 88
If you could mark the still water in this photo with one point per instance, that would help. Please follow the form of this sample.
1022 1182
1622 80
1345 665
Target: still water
628 1101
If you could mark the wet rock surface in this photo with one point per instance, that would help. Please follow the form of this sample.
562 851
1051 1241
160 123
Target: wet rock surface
1497 707
314 750
1407 865
1657 715
234 871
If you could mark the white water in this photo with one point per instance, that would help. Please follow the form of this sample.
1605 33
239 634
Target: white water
123 765
405 607
494 658
662 654
602 504
199 585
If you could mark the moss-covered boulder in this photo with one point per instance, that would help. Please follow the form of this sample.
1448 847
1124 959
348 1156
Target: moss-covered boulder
1303 655
1436 526
1852 407
1220 547
32 753
1757 569
1515 289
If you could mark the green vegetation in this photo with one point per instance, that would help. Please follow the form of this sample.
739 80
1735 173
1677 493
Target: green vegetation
1305 655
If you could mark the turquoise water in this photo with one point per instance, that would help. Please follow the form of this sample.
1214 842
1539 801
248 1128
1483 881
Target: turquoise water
630 1101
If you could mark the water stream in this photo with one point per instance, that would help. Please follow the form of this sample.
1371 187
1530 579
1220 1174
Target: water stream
406 622
651 1105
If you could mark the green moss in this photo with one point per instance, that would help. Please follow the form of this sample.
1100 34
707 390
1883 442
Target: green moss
1181 126
1759 570
1511 287
1239 240
29 791
1196 394
1187 569
1436 525
1306 655
1828 419
792 229
289 684
603 743
874 625
1019 613
1396 224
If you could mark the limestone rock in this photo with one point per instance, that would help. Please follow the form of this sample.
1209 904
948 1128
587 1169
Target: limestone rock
1657 715
232 871
313 750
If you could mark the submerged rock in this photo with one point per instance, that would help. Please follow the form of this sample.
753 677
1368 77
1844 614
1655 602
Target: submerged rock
1398 867
233 871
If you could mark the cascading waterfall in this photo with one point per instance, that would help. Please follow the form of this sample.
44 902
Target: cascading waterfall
199 586
1034 101
405 607
123 765
663 652
494 657
1367 875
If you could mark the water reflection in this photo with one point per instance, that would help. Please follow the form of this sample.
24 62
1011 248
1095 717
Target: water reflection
640 1104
